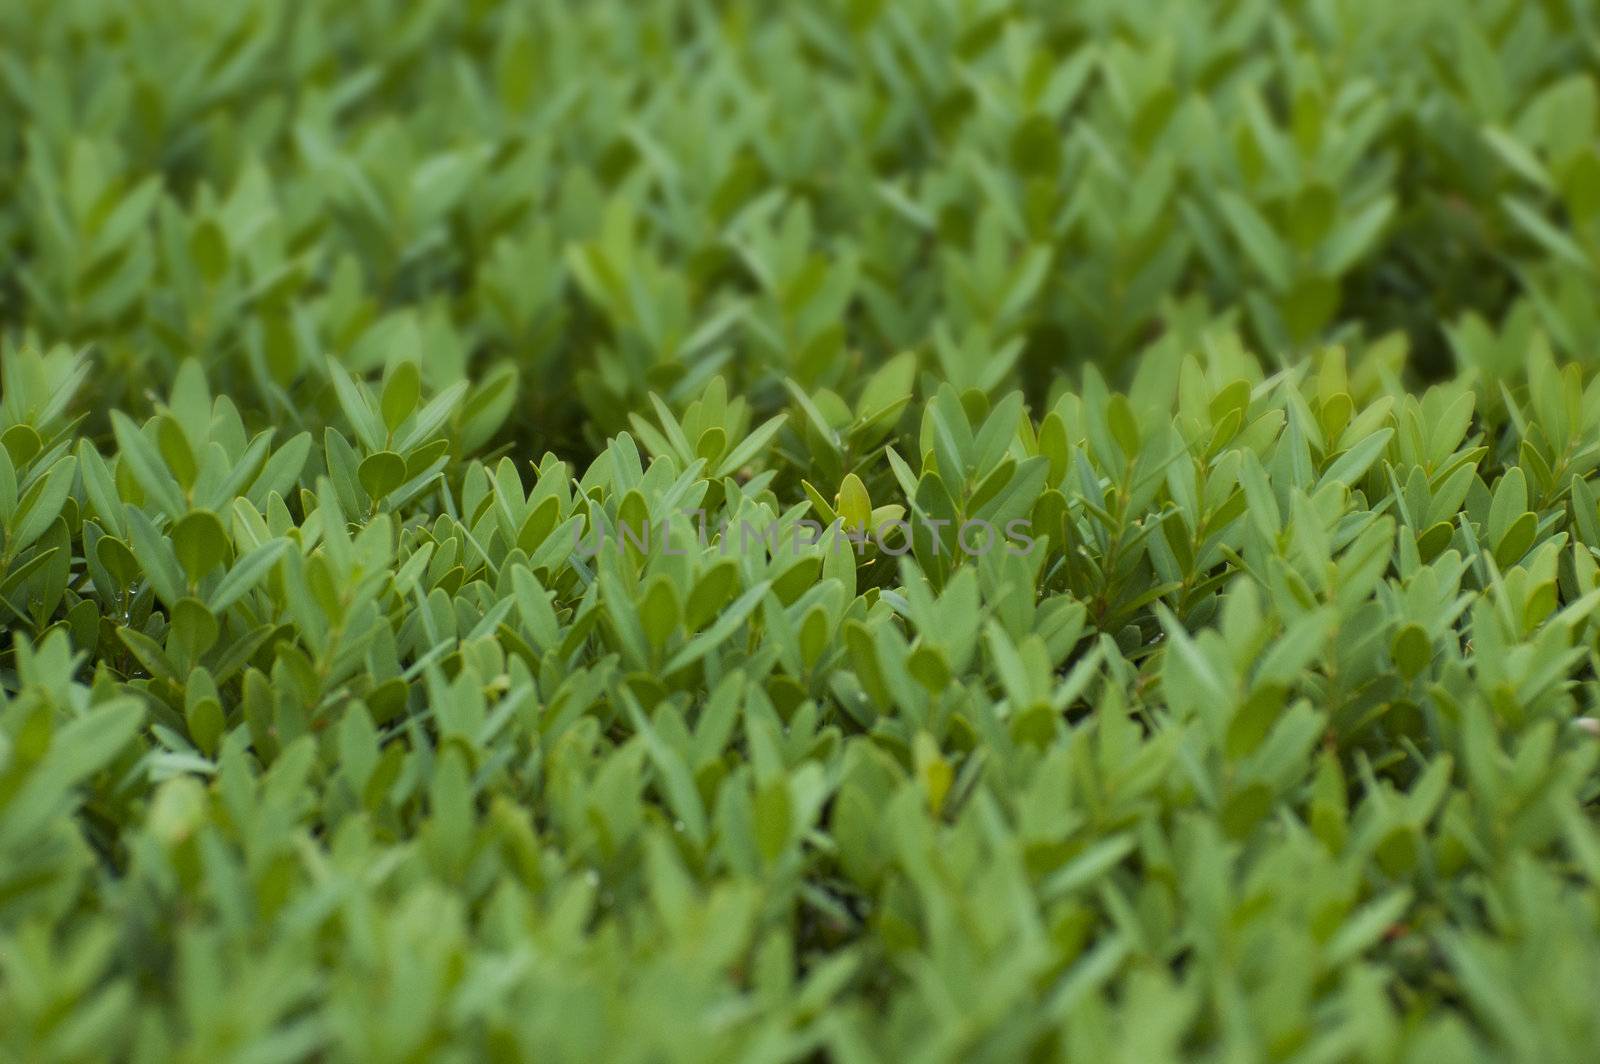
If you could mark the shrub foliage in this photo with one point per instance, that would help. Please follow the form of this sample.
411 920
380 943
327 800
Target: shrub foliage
344 345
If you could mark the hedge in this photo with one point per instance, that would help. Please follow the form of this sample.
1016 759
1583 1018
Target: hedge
674 530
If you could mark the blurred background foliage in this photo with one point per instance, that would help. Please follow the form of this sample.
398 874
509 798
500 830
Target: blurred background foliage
572 205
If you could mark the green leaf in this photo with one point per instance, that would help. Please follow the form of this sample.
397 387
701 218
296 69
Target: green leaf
40 505
208 247
149 469
381 473
852 503
1411 650
155 557
357 407
431 417
1261 245
246 573
720 631
401 392
200 543
1092 864
1364 928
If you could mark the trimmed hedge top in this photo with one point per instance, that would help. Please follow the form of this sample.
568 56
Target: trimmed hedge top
421 641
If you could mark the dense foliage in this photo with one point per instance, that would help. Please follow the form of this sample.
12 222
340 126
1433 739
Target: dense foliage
344 344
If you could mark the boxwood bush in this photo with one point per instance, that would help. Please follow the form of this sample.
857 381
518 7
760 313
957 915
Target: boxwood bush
671 530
